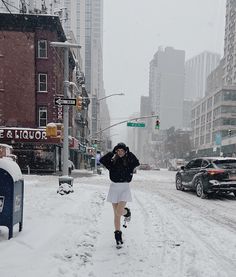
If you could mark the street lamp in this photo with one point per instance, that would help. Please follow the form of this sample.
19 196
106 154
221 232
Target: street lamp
96 103
99 99
113 94
66 46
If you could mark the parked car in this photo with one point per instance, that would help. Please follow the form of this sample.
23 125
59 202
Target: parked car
144 167
208 176
154 167
175 164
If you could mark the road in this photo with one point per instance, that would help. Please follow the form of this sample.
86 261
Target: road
175 233
172 233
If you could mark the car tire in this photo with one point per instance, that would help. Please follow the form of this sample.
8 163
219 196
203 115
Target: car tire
199 189
178 183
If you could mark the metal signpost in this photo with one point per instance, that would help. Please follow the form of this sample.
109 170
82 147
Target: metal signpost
66 45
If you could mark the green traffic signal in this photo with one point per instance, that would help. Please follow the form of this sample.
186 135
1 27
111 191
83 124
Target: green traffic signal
157 126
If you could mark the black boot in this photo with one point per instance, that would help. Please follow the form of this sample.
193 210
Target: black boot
118 237
128 214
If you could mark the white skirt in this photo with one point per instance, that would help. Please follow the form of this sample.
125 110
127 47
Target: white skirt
119 192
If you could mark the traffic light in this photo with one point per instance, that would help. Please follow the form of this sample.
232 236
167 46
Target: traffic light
157 126
51 130
79 103
229 132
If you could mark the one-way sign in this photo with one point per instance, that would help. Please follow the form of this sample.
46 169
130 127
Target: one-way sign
61 101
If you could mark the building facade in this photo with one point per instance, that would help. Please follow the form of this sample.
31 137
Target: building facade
31 77
83 21
213 117
166 86
229 69
143 149
214 122
196 71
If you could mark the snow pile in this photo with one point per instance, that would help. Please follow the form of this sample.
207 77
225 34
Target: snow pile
65 188
12 168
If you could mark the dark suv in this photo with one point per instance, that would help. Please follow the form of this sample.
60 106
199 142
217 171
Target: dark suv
208 176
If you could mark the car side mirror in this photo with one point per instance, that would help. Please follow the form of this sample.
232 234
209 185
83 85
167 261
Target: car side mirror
182 167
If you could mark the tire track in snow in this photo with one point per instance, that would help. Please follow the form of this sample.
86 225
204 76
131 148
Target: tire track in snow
222 260
137 250
203 210
163 241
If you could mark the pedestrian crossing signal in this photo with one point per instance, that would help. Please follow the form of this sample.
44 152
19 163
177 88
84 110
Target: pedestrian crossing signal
157 126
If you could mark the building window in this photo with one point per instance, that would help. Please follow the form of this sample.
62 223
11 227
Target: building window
203 107
209 103
198 111
217 98
208 138
42 82
42 49
43 114
229 96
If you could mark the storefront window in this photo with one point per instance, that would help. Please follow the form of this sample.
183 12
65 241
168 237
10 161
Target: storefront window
36 158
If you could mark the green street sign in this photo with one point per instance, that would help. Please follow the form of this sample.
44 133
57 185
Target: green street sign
136 124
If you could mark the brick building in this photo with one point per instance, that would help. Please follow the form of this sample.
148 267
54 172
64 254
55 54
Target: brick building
31 76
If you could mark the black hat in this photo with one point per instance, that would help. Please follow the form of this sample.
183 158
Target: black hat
120 145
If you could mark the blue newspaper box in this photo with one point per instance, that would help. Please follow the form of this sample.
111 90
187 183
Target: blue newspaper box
11 195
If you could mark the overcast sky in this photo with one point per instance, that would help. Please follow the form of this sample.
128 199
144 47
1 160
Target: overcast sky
133 30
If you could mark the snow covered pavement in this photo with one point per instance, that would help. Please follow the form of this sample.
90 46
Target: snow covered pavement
172 233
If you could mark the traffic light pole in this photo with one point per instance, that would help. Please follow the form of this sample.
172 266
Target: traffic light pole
124 121
66 115
65 178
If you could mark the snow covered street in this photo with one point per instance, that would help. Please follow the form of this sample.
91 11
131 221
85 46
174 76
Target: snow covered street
172 233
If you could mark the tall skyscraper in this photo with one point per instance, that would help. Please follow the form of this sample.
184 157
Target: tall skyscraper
196 71
229 69
166 86
142 149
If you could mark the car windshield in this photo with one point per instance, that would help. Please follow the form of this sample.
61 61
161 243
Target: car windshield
225 164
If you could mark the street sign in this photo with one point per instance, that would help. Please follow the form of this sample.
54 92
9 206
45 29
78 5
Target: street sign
135 124
61 101
218 139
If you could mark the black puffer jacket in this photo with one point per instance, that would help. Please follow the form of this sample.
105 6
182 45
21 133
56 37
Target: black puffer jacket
120 169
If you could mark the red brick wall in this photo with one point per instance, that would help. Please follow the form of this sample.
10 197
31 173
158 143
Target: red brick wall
19 68
54 67
17 79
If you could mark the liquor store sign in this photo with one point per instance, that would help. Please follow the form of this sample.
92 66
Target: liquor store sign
14 135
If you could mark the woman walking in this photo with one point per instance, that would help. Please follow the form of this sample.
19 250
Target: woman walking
120 163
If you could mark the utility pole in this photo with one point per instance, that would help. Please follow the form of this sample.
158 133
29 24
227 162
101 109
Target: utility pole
97 100
66 45
127 120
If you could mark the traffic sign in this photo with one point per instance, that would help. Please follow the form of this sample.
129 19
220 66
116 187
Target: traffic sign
61 101
135 124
